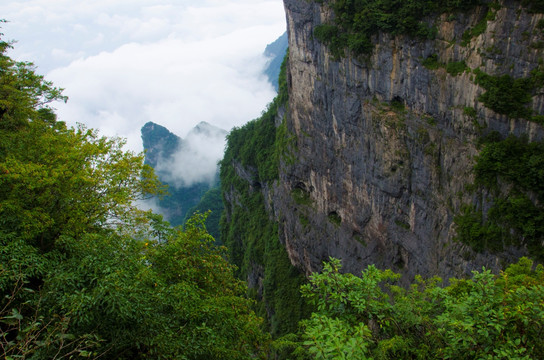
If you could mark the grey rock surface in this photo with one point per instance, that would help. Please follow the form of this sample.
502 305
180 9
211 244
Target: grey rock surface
384 182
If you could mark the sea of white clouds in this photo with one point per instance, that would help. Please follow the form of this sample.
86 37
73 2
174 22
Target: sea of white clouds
123 63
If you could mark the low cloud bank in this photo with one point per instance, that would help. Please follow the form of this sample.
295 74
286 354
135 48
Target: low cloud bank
124 64
196 160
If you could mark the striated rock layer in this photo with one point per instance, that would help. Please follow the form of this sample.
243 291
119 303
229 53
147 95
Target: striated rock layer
384 146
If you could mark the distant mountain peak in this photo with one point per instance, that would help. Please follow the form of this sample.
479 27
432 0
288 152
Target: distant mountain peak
204 128
188 166
153 133
151 126
158 141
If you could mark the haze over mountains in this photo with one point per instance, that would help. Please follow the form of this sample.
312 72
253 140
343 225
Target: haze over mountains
184 162
189 166
125 63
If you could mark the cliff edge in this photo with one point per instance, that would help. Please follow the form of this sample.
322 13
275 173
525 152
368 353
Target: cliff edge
385 142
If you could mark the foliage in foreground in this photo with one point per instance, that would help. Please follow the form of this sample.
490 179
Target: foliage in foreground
485 317
85 274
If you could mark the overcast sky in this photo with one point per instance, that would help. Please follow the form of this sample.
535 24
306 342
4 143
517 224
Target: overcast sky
125 62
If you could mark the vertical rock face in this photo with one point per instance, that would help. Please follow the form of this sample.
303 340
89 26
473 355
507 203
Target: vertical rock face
385 147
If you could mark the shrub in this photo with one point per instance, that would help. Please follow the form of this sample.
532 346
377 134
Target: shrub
486 316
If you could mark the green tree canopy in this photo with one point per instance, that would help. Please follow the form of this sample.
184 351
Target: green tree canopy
83 272
485 317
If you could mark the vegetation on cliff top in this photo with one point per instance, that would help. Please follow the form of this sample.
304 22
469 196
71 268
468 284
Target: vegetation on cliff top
356 21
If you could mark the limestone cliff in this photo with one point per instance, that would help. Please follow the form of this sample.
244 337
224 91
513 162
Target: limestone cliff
384 146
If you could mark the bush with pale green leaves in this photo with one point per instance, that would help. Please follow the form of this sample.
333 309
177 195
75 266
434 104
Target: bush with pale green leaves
485 317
